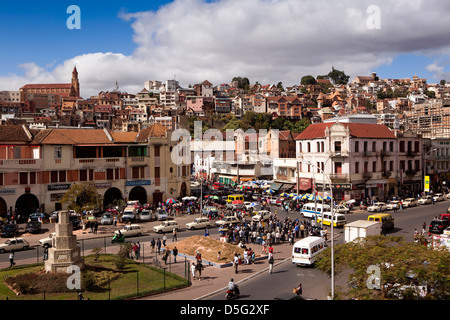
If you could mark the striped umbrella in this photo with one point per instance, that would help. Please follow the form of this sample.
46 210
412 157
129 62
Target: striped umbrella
170 201
284 195
306 196
270 191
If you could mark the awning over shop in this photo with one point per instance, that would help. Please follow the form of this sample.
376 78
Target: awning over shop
287 186
276 186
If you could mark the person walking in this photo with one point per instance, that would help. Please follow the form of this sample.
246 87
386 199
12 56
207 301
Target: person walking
235 262
138 250
175 253
158 246
174 235
11 259
152 244
271 261
193 270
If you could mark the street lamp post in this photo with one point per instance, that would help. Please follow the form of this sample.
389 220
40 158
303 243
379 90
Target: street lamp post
424 168
332 228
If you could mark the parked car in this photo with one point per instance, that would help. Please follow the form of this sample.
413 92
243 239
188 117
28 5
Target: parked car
14 245
33 227
161 214
227 220
425 200
146 215
198 223
131 230
341 209
166 226
9 230
47 242
214 211
447 231
377 207
409 202
438 197
395 204
437 226
107 218
261 216
75 220
42 217
195 184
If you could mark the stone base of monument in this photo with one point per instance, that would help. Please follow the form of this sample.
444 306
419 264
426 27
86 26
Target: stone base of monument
64 251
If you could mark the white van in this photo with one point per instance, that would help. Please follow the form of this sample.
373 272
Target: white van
309 209
305 251
339 220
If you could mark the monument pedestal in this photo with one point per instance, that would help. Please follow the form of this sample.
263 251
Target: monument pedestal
64 251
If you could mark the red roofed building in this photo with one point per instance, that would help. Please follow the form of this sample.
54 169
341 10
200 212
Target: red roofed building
64 90
359 160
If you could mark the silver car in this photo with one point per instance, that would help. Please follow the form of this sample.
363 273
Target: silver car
107 218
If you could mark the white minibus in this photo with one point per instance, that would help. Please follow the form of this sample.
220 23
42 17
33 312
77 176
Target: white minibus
305 251
309 209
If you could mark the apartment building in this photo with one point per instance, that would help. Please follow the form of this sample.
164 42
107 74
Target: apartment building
360 160
38 166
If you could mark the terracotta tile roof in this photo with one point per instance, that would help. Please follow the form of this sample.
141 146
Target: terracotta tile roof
156 130
48 86
124 136
73 137
357 130
13 133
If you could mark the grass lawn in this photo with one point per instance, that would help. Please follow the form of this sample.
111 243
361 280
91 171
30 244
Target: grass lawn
134 279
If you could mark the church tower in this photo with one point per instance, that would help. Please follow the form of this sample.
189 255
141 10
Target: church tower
75 88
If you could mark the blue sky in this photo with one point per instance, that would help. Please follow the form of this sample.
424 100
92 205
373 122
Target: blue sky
218 39
37 31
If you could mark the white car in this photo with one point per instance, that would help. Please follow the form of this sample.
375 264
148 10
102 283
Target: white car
377 207
227 220
14 245
195 184
198 223
47 242
438 197
131 230
247 205
395 204
166 226
262 216
409 202
425 200
341 209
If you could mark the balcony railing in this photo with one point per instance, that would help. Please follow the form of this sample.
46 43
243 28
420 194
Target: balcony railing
91 163
339 176
20 163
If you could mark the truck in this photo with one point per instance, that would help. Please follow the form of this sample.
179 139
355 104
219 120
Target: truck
361 229
130 213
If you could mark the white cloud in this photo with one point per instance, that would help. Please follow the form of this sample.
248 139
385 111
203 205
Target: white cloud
266 41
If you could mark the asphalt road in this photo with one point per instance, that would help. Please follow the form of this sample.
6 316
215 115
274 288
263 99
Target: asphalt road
286 276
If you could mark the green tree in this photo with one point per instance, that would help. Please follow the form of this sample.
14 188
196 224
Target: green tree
338 77
443 82
306 80
297 126
400 262
82 196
